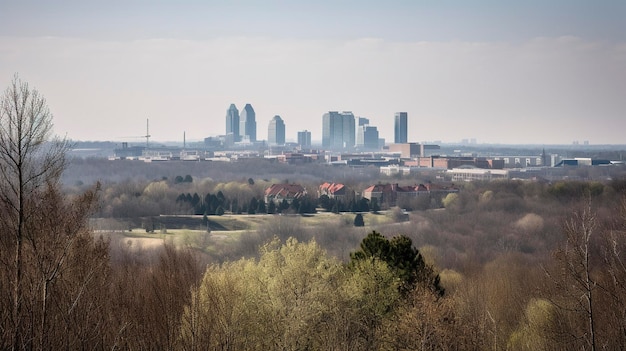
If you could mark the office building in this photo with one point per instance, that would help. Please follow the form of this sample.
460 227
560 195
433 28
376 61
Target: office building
247 124
304 138
232 122
276 131
363 121
338 130
400 129
367 137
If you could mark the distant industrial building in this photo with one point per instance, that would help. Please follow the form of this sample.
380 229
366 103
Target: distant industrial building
276 131
400 128
232 122
247 124
470 174
455 162
304 139
338 130
413 150
585 161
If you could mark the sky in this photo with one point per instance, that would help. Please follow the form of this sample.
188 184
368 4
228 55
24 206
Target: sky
504 72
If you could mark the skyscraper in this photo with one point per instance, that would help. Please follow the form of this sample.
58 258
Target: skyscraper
304 138
400 130
338 130
232 122
276 131
247 124
367 137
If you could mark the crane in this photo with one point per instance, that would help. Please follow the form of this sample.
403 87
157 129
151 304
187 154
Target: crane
147 135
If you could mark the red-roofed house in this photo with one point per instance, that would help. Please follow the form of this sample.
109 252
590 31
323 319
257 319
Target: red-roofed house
390 193
334 191
279 192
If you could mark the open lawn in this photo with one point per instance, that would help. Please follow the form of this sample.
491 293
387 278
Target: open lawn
224 231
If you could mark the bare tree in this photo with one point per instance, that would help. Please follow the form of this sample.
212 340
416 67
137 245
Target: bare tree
576 283
30 159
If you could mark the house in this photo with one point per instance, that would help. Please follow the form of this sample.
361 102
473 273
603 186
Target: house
390 193
288 192
335 191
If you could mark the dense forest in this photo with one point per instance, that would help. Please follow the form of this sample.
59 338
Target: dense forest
515 265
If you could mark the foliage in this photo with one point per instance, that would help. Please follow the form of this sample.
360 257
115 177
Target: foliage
358 220
403 259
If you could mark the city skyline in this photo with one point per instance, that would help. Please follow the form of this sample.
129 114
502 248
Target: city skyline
509 73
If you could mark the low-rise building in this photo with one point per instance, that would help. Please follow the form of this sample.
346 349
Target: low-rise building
390 193
278 192
335 191
470 174
455 162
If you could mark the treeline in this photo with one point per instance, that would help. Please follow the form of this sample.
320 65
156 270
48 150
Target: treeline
504 265
218 204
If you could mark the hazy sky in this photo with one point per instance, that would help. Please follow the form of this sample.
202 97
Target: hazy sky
544 72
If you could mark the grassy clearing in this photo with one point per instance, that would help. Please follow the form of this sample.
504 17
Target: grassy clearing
225 231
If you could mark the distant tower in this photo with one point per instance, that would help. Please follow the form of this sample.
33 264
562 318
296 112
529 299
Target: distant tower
338 130
400 130
304 138
247 124
276 131
367 137
232 122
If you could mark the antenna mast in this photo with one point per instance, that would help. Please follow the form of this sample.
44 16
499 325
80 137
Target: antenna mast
147 136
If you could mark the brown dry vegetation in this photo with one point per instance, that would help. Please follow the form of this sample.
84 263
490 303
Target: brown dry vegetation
524 265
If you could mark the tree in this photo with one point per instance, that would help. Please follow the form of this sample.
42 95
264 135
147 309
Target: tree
374 205
48 255
252 206
358 220
271 207
261 208
27 163
403 259
577 279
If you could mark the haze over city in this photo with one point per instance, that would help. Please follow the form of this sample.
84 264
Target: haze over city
531 72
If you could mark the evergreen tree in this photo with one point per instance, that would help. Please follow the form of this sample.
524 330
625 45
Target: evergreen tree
358 220
402 258
261 208
271 207
253 205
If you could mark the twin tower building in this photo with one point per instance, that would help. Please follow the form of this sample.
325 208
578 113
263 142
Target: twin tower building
339 129
242 126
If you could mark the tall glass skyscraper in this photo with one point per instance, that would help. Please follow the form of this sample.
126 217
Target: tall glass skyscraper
338 131
232 122
276 131
247 124
400 130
